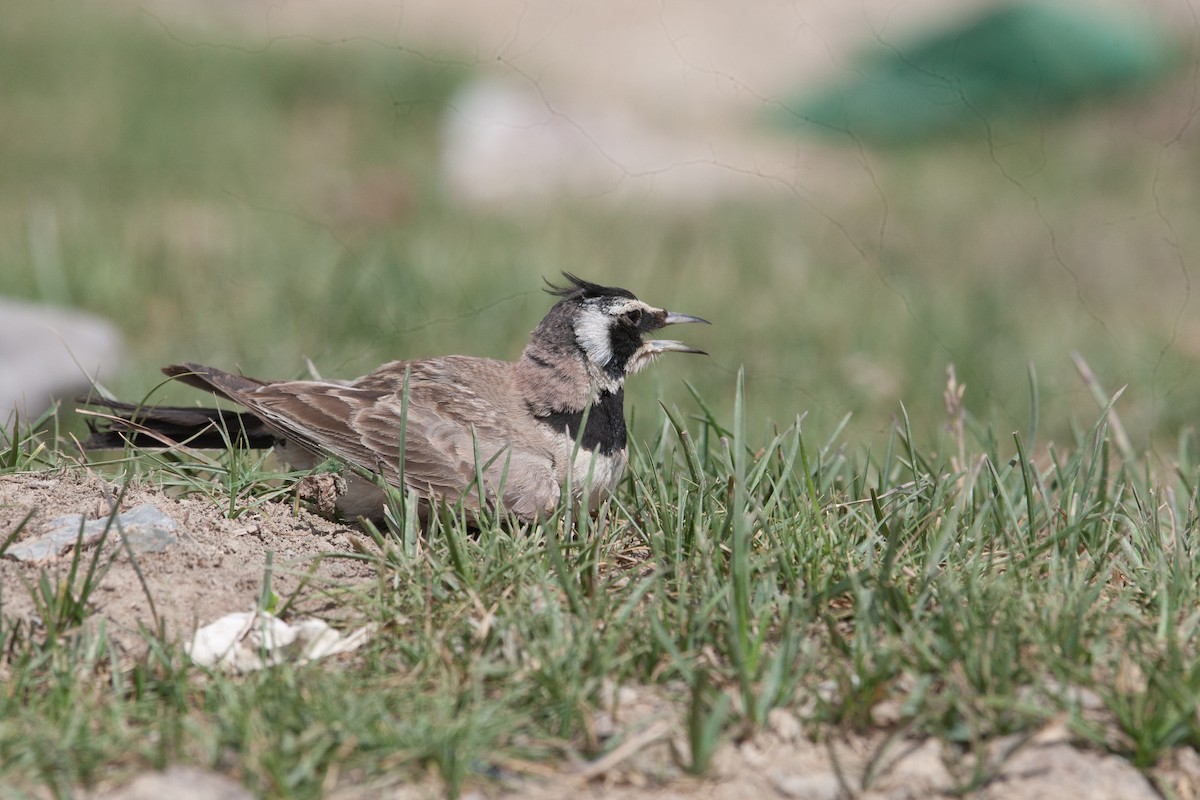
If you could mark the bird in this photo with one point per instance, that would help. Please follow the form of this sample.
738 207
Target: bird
432 426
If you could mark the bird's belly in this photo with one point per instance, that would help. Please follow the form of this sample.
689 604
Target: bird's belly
362 499
595 475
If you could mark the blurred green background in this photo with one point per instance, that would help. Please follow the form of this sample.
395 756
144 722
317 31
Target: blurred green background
252 205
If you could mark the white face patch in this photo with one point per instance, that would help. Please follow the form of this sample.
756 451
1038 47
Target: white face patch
594 330
591 331
594 324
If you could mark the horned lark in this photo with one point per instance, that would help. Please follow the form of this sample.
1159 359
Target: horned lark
428 424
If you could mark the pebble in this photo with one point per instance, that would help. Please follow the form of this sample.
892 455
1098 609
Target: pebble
180 783
146 530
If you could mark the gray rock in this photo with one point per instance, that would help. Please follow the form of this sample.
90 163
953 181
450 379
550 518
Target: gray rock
1053 769
49 354
812 786
180 783
913 769
146 529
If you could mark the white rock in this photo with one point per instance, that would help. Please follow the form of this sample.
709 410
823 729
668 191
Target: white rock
180 783
49 354
784 724
1058 769
807 786
252 640
913 769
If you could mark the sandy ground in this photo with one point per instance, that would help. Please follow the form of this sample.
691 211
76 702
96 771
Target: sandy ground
216 567
654 92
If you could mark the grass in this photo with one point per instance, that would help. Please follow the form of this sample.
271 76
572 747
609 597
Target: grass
255 203
871 551
739 574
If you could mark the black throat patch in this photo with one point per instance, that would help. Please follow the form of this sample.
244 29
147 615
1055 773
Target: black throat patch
605 429
623 341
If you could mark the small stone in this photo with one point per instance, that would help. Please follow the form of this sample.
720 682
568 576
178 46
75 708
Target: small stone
784 724
828 692
1061 770
146 529
1188 760
323 490
887 713
180 783
812 786
248 641
64 531
726 761
1069 694
1178 775
753 754
1054 733
604 725
914 768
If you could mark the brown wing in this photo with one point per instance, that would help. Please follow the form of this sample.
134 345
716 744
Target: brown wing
461 409
458 406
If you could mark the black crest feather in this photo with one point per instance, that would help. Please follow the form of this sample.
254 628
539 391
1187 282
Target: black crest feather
579 289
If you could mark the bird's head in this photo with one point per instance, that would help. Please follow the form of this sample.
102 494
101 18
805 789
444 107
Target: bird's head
609 327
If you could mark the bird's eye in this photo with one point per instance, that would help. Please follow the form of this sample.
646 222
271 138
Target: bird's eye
633 316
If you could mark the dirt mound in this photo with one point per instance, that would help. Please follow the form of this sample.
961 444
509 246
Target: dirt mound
214 566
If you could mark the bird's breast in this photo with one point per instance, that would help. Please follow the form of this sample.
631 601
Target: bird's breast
595 475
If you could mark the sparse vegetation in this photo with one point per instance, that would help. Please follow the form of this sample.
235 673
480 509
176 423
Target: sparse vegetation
921 553
740 575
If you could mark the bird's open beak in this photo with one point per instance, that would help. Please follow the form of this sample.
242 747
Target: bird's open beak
675 319
657 346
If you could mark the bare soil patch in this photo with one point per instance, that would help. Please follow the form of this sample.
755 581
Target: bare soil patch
216 566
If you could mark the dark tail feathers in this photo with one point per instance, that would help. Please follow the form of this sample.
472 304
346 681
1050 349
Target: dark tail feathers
164 426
